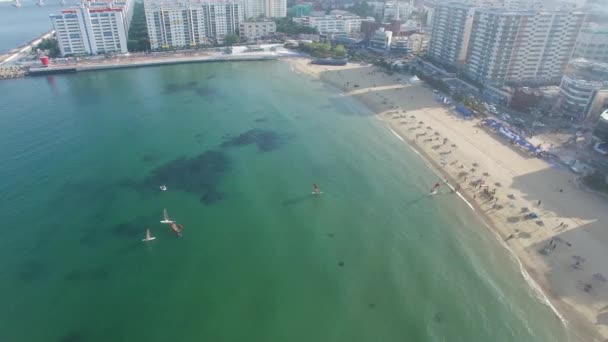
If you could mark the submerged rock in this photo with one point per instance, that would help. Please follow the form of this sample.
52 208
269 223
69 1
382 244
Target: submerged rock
264 140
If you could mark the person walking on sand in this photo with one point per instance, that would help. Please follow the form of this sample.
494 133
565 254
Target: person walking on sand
538 202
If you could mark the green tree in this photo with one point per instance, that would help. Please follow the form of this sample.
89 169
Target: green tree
231 39
362 8
290 28
138 31
50 44
339 51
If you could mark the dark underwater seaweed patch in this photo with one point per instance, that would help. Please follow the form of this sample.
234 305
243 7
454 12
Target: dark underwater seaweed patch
201 91
127 229
149 158
205 91
264 140
32 270
261 120
200 175
73 336
87 274
173 88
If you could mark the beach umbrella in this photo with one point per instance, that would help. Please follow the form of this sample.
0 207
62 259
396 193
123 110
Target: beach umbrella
599 277
578 258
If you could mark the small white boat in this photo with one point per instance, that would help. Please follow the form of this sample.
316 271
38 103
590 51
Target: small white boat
17 4
166 217
163 187
149 237
40 3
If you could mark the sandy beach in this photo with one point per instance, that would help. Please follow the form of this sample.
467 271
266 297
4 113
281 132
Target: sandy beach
563 250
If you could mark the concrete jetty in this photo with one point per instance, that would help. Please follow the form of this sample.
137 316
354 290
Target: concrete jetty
121 63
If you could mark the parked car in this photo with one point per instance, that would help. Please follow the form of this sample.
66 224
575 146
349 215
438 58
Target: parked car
505 116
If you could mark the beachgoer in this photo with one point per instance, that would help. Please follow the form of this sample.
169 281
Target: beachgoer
538 202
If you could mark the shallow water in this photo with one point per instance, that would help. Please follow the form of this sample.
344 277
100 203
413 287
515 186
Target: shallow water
238 146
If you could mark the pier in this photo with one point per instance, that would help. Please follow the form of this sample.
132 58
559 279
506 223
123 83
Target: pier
142 61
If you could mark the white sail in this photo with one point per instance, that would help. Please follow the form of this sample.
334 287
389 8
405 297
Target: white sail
149 236
166 217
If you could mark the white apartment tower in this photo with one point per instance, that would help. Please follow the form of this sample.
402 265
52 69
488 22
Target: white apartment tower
333 23
265 8
449 33
592 43
93 28
521 47
190 23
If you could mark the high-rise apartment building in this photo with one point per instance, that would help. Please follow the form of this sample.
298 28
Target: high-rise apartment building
592 43
190 23
252 30
93 27
449 33
346 23
265 8
521 47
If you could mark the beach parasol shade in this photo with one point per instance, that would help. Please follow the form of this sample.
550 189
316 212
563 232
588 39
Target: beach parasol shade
578 258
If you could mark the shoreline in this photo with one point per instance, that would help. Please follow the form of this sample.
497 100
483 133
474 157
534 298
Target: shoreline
554 286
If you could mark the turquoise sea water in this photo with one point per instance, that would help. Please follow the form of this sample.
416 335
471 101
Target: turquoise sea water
21 25
261 259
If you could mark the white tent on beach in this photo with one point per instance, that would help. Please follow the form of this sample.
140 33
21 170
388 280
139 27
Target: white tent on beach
414 79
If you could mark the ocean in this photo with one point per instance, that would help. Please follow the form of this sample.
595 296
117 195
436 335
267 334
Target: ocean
24 24
238 145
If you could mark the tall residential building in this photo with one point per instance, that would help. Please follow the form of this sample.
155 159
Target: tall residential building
93 27
190 23
333 23
252 30
521 47
592 43
265 8
450 33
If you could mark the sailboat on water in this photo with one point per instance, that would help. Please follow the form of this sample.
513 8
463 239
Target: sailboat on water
166 218
149 236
